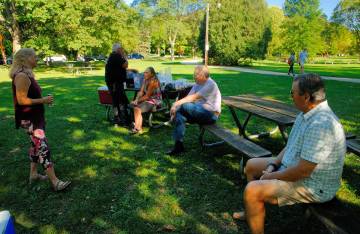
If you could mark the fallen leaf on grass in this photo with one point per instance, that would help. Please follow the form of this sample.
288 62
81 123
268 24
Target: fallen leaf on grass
167 228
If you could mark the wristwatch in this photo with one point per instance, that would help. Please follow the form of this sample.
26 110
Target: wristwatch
272 164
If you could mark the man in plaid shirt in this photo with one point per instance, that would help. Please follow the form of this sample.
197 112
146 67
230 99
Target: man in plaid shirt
309 168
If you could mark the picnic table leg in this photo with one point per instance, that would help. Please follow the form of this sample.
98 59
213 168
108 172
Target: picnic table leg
109 113
207 144
201 137
283 132
245 123
135 94
238 123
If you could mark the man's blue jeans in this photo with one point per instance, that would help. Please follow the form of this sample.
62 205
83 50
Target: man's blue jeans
192 113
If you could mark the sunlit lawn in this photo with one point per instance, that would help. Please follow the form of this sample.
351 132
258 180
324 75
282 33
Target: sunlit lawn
337 70
126 184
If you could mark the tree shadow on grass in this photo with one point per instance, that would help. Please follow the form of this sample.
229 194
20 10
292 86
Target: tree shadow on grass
124 183
116 185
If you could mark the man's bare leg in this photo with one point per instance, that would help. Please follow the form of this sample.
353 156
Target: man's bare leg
256 194
253 171
254 168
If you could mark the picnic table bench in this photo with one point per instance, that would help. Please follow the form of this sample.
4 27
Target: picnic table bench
245 147
241 144
353 145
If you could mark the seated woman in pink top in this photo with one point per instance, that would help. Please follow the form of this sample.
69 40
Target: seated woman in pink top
148 98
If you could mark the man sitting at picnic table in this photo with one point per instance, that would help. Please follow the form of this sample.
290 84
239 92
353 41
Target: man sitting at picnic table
202 106
309 168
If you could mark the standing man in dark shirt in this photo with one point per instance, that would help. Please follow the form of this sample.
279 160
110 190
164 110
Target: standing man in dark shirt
115 76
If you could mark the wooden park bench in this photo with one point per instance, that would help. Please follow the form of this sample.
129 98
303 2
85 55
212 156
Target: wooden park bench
244 146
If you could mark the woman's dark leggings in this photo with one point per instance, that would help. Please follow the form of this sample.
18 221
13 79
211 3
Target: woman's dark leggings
291 69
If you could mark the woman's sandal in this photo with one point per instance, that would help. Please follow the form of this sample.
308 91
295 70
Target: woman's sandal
37 177
61 185
239 216
136 131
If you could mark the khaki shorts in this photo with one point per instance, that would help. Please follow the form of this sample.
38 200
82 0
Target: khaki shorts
289 193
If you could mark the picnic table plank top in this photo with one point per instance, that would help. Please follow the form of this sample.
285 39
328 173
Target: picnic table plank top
265 103
276 111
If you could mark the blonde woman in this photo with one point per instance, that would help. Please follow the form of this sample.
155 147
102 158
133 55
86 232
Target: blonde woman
30 115
148 97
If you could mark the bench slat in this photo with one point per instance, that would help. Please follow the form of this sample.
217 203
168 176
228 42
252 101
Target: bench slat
349 135
243 145
353 145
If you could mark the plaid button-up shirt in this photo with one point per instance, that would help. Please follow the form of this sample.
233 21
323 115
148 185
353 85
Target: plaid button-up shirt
318 137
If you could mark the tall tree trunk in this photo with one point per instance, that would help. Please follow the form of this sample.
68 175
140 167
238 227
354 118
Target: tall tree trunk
2 48
158 51
172 40
16 39
12 24
172 46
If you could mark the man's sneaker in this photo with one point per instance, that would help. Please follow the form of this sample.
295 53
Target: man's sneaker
178 149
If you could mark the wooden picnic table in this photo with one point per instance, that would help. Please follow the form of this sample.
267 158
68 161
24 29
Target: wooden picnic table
132 89
78 70
283 115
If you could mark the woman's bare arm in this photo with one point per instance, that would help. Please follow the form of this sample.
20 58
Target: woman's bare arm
22 84
152 86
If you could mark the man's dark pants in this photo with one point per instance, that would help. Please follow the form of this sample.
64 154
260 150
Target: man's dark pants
120 100
192 113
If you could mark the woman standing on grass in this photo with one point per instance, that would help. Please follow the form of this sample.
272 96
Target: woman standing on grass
149 97
291 61
30 115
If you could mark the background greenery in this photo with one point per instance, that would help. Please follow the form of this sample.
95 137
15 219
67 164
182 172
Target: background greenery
240 31
127 184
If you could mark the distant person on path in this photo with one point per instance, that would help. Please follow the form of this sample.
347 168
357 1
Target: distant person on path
302 59
309 168
115 76
202 106
291 61
148 98
30 115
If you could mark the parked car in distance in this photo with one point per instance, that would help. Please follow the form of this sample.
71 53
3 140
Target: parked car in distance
55 58
80 58
135 56
8 60
90 58
101 57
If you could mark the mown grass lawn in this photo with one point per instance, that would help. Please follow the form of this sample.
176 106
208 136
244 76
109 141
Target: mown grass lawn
127 184
336 70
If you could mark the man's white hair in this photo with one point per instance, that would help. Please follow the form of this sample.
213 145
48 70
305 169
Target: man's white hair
116 46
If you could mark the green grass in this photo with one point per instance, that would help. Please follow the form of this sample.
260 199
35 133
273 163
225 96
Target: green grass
126 184
337 70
